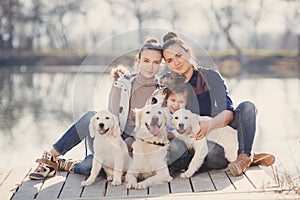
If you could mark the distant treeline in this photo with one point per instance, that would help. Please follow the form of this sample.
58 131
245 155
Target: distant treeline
268 65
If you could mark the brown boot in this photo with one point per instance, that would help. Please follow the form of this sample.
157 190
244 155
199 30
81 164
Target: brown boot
240 165
263 159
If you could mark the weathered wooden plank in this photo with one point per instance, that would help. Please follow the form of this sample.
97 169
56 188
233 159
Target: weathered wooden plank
97 189
4 174
220 196
202 182
159 189
28 189
113 191
221 181
52 186
180 185
72 187
260 178
241 183
133 192
11 182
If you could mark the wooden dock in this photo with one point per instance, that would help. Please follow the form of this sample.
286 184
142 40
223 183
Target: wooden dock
255 183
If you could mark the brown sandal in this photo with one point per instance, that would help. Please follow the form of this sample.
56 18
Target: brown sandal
47 167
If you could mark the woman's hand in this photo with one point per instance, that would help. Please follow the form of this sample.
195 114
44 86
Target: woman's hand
129 140
204 130
221 120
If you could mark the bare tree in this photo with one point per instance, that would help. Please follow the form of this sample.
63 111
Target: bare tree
227 17
10 12
55 15
44 18
141 10
292 18
253 17
172 14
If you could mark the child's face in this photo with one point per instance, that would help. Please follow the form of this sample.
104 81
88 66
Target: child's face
176 101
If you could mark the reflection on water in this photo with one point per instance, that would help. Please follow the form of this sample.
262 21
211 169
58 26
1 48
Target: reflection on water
36 108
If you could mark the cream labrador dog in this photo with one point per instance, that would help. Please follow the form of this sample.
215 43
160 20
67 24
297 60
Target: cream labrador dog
187 125
150 149
110 151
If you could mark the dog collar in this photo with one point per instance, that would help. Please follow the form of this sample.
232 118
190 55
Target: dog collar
154 143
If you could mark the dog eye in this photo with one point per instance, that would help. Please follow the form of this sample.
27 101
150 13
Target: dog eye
148 112
176 117
159 112
185 117
106 117
97 118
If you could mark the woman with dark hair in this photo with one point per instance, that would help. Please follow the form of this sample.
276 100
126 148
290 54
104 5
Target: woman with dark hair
213 100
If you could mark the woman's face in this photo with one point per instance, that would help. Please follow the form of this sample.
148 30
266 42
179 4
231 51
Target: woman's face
149 63
177 60
176 101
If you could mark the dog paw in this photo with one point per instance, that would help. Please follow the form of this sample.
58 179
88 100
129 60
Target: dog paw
131 185
86 183
141 186
109 178
116 182
169 179
186 174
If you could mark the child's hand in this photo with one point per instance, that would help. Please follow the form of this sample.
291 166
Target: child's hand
171 135
203 131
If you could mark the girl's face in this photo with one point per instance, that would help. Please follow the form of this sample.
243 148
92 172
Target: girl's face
177 60
176 101
149 63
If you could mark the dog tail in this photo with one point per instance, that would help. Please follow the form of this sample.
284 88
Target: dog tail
118 71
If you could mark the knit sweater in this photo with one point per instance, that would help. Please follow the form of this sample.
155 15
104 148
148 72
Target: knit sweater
127 93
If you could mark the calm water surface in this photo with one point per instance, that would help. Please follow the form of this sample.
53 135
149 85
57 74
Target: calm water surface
36 109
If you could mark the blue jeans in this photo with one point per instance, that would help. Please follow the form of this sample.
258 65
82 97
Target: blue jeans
73 136
244 122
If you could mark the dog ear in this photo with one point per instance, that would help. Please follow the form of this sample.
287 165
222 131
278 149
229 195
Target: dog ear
195 123
137 117
92 129
166 117
116 128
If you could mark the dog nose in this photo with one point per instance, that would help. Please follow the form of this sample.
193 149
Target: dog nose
181 125
101 125
154 120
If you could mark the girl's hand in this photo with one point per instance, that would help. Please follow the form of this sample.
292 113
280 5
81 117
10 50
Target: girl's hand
171 135
204 130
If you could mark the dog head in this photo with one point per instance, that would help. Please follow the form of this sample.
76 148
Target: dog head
151 120
104 123
185 122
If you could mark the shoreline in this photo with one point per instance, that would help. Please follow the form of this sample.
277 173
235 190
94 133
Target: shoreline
92 69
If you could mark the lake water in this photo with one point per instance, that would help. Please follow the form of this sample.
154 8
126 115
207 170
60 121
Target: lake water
36 109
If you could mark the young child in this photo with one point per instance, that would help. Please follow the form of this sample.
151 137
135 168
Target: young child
176 95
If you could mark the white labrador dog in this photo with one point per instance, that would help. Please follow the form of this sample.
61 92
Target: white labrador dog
149 149
187 125
110 151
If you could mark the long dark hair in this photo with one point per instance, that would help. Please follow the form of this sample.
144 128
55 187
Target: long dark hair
151 44
171 38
